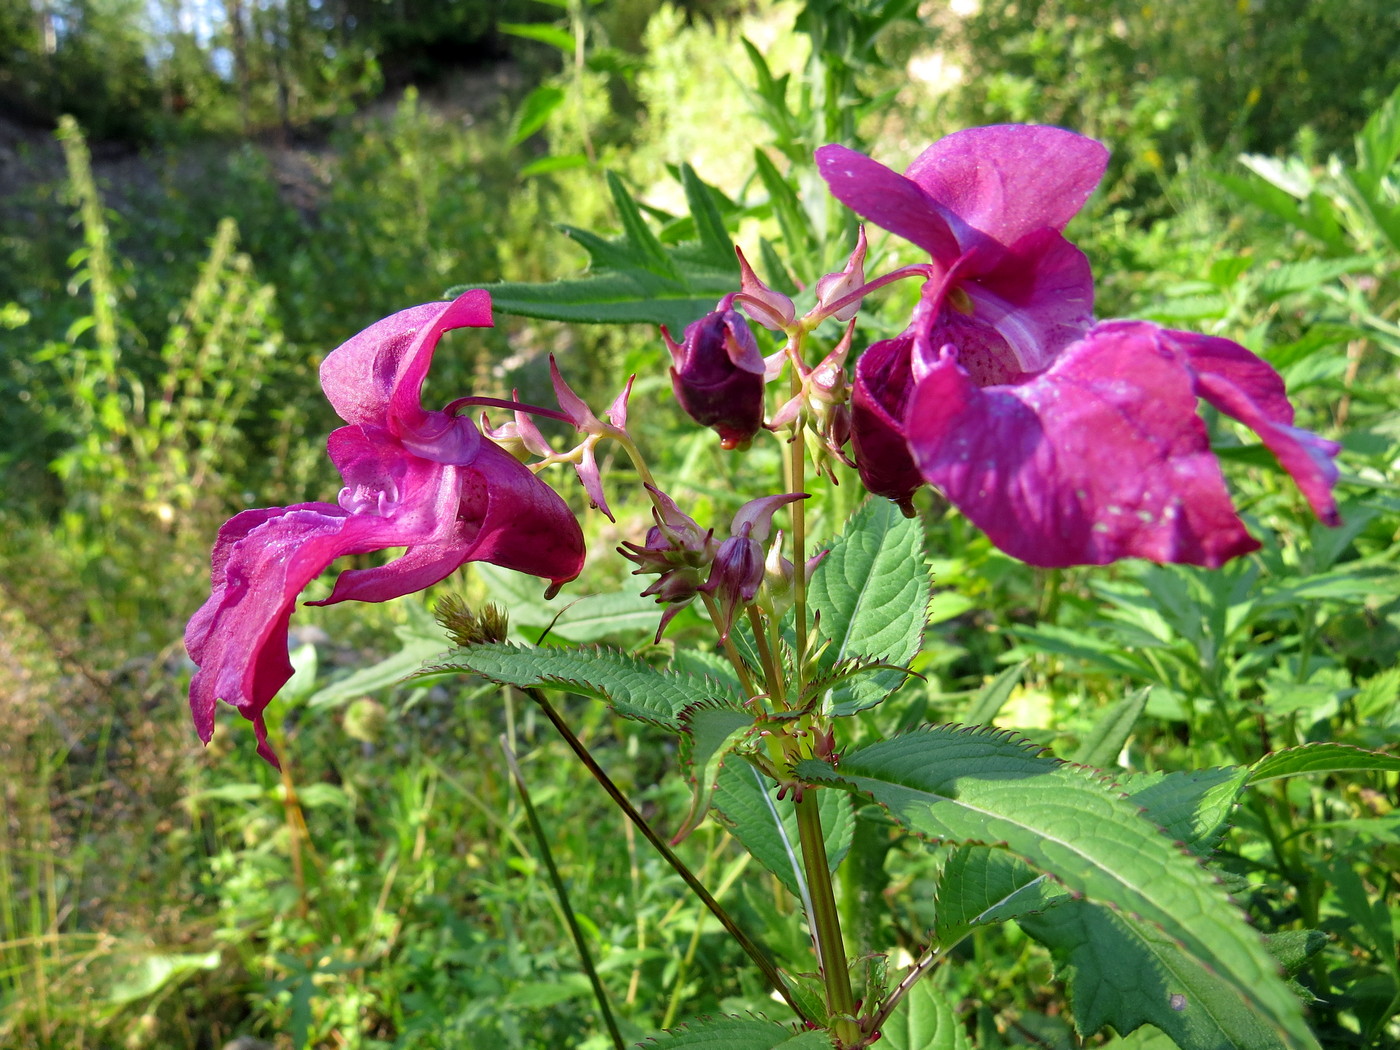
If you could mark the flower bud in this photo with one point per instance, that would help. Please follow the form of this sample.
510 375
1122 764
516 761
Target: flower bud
768 307
717 374
879 398
834 287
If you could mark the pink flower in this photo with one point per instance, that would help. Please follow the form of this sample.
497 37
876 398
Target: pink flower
1067 445
1004 286
423 480
1102 455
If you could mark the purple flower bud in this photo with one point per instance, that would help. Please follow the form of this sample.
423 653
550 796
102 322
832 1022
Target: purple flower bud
736 576
879 399
717 374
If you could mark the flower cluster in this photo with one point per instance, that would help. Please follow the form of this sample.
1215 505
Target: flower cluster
1066 441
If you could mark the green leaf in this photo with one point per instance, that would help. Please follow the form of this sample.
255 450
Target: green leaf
617 298
748 804
924 1020
632 688
148 974
541 32
978 886
709 223
993 696
1325 757
1192 806
534 111
798 237
965 786
711 734
392 670
871 593
635 228
1124 972
1111 731
554 162
737 1033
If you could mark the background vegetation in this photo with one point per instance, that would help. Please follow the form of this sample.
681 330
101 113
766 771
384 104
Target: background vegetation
245 184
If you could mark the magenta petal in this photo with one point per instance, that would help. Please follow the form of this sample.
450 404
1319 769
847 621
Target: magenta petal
1038 298
377 376
262 561
889 200
879 397
1010 179
1102 456
1246 388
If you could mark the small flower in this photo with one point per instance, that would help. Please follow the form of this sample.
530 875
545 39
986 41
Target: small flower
1102 455
718 375
676 549
418 479
738 568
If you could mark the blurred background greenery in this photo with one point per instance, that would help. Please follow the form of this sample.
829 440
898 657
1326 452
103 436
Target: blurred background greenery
199 199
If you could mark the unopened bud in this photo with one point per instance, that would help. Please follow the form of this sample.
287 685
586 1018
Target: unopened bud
718 374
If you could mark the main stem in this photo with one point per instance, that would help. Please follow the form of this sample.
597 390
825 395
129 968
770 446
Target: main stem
825 920
826 923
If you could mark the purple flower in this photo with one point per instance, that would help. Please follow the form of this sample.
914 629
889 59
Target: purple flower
1102 455
989 205
717 373
423 480
1067 445
1004 286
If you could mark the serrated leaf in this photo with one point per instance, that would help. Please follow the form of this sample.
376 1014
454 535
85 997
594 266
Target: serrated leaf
871 592
1325 757
1126 973
1192 806
632 688
978 886
736 1033
924 1020
962 786
1287 278
748 804
711 733
1111 731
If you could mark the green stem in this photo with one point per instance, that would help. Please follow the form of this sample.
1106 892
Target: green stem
760 958
826 924
585 956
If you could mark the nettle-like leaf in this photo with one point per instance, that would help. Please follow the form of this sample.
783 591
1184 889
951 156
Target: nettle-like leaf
979 886
737 1033
748 805
1324 757
965 786
632 688
711 734
872 593
637 278
924 1020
